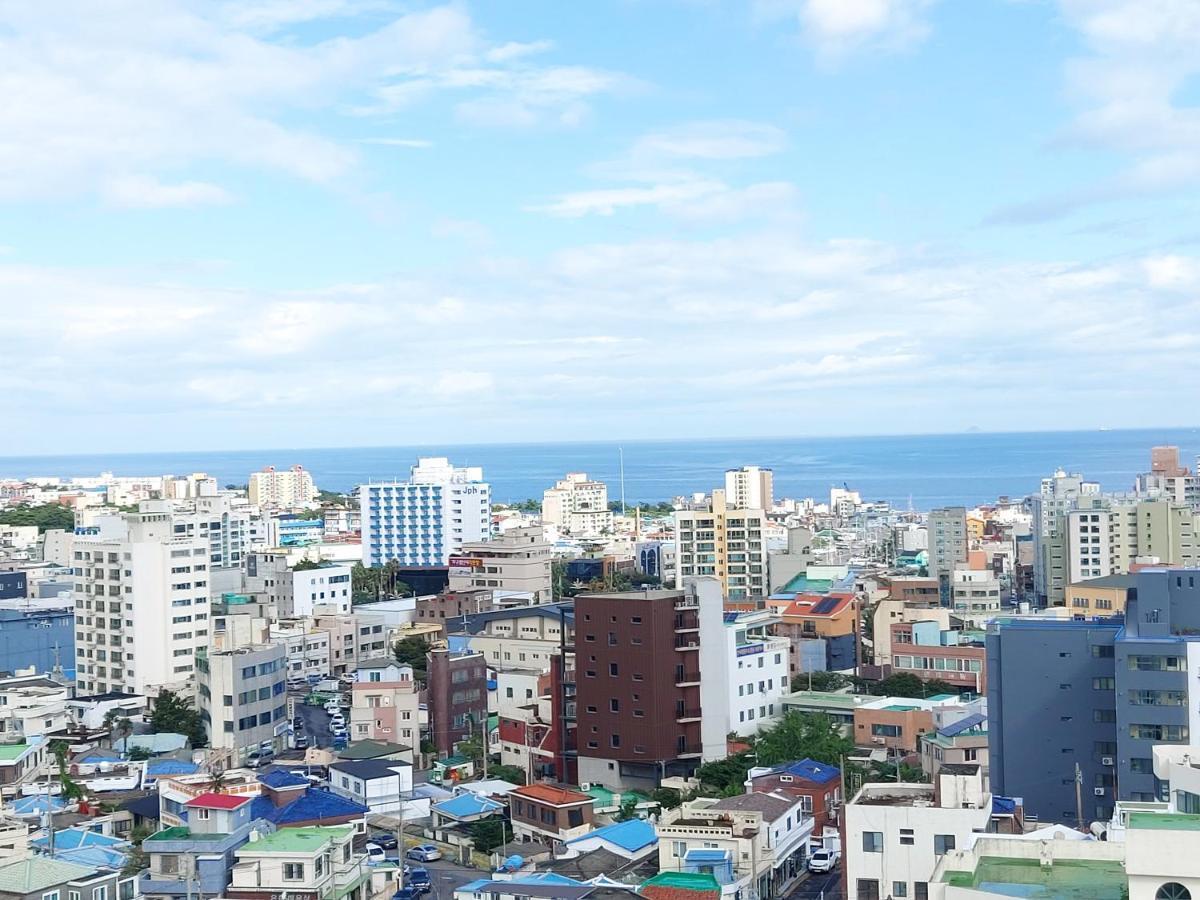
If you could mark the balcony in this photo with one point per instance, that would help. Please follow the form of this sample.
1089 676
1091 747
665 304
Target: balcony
687 642
687 679
687 603
687 715
690 750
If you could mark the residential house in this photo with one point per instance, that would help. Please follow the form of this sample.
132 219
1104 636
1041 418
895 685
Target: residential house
385 703
751 842
43 878
817 785
382 785
549 813
831 619
631 840
681 886
313 863
961 741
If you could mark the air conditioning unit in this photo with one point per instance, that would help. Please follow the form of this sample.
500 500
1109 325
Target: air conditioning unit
585 785
878 740
1099 792
1106 760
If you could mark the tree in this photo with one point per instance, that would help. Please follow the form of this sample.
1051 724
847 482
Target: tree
820 681
174 714
729 772
666 798
628 809
306 565
803 736
412 651
70 790
138 753
471 747
488 834
511 774
45 516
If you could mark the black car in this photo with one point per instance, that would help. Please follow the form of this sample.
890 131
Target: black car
384 839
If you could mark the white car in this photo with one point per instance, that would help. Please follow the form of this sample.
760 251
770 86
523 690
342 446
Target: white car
822 860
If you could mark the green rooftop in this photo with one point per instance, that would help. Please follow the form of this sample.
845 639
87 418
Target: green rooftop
298 840
29 876
800 584
686 881
1164 821
602 796
1026 878
899 707
944 697
12 752
183 833
822 698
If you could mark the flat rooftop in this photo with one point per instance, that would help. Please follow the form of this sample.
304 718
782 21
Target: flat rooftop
1027 878
1164 821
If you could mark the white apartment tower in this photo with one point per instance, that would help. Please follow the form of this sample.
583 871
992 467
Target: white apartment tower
282 489
578 506
750 487
427 519
723 542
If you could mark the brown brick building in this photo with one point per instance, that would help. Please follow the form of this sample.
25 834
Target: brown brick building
457 696
550 813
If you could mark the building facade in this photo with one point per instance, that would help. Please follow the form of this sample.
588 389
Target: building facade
750 487
578 507
282 489
458 697
516 562
725 543
427 519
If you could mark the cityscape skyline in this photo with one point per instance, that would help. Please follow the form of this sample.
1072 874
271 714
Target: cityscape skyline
369 207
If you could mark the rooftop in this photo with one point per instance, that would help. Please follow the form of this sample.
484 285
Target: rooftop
548 793
37 873
314 805
297 840
367 769
1027 878
11 752
631 835
809 770
183 833
1164 821
770 806
219 801
372 750
467 804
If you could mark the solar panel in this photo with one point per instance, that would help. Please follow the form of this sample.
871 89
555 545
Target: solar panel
825 605
962 725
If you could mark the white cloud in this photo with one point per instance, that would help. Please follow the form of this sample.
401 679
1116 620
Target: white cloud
411 143
835 28
145 192
607 201
732 139
156 88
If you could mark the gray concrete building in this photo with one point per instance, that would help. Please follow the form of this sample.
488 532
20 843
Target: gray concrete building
947 546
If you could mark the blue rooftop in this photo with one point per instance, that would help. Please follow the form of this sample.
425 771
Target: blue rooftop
962 725
159 768
810 770
467 804
1002 806
74 838
313 804
281 778
702 856
632 835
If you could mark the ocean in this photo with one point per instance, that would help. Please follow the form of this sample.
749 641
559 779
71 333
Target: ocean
929 470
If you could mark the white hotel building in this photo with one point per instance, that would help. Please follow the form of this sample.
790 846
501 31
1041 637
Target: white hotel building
427 519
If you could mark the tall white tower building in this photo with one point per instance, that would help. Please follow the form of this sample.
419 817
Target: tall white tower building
750 487
427 519
282 489
578 506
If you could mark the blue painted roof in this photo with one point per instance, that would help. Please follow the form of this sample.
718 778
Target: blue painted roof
281 778
93 857
1003 805
28 806
158 768
700 855
810 770
962 725
312 804
631 835
473 886
467 804
72 838
545 878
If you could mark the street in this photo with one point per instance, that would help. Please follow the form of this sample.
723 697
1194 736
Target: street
827 886
448 877
316 723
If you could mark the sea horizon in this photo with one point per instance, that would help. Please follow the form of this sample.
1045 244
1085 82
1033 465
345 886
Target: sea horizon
933 469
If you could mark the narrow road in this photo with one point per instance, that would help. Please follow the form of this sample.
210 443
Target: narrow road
827 886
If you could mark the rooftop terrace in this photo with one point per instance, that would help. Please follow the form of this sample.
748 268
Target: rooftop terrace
1027 878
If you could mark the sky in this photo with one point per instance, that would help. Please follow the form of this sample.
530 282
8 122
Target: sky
315 223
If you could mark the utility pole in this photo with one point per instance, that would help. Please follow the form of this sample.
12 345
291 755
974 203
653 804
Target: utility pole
1079 796
484 745
400 842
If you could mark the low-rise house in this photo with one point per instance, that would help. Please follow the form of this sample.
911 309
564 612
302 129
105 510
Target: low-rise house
371 749
385 703
289 801
382 785
198 857
43 878
897 722
963 741
17 761
632 839
175 793
681 886
897 833
84 847
547 812
92 711
755 842
32 706
817 785
314 863
541 886
464 808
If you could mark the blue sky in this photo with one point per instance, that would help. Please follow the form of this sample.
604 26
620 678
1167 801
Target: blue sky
338 222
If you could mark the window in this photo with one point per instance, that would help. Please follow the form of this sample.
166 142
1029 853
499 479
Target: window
100 893
293 871
920 890
168 864
906 837
50 895
1104 684
1172 890
867 889
899 888
942 843
872 842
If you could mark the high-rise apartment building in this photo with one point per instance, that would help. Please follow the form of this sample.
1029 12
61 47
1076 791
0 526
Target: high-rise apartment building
647 664
947 547
1105 536
750 487
1164 461
723 542
427 519
282 489
1097 694
141 600
578 506
1057 496
514 564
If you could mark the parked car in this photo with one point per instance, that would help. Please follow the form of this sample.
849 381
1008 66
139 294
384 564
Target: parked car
420 879
300 742
424 853
384 839
259 758
337 719
375 854
339 733
822 860
408 892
